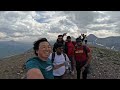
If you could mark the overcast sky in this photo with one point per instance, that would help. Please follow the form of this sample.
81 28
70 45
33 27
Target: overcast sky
27 26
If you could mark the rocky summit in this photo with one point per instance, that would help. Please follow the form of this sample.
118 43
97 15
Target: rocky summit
105 64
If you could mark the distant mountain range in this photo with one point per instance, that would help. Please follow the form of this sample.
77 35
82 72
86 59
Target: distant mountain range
105 64
112 42
8 48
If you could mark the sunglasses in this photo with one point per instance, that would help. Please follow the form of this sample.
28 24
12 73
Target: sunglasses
60 48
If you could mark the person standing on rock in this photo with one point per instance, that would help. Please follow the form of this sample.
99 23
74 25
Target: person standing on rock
82 56
40 67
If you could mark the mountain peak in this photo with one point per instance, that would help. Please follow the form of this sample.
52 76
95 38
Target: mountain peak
91 36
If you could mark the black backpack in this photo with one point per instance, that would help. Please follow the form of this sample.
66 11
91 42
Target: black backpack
53 56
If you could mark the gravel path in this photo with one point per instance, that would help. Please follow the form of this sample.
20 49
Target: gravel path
105 64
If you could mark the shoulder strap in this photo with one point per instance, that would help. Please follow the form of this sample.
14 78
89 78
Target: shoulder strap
64 56
85 49
66 48
53 56
75 48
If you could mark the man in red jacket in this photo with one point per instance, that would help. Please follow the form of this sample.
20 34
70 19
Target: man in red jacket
82 56
69 50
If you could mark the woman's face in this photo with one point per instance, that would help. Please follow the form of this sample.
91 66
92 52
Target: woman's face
44 50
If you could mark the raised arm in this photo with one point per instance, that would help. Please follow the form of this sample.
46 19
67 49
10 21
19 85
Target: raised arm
64 34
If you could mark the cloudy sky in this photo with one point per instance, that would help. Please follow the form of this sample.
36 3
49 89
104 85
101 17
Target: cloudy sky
27 26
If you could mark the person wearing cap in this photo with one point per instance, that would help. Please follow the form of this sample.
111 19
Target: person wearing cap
40 66
82 56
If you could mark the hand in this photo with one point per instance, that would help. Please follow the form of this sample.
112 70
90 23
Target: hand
85 65
56 66
64 34
67 63
83 68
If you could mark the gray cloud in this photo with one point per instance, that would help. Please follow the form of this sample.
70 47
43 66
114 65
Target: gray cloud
82 18
24 25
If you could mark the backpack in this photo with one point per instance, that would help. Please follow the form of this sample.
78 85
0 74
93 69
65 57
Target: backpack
67 64
86 52
53 56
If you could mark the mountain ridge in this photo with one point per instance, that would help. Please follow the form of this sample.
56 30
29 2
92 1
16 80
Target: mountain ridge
9 48
112 42
105 64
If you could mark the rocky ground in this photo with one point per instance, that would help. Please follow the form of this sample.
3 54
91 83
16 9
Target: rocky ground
105 64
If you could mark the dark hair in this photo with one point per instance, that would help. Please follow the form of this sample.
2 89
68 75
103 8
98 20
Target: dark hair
58 45
60 35
62 41
36 44
68 37
78 40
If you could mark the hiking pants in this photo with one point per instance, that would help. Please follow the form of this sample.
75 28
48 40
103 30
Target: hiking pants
72 63
79 65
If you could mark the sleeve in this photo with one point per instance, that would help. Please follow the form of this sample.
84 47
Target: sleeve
54 47
67 59
31 64
74 43
88 49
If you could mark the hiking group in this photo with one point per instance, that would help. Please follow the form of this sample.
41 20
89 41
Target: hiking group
62 60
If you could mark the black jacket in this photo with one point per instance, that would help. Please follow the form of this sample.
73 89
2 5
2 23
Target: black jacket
54 47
